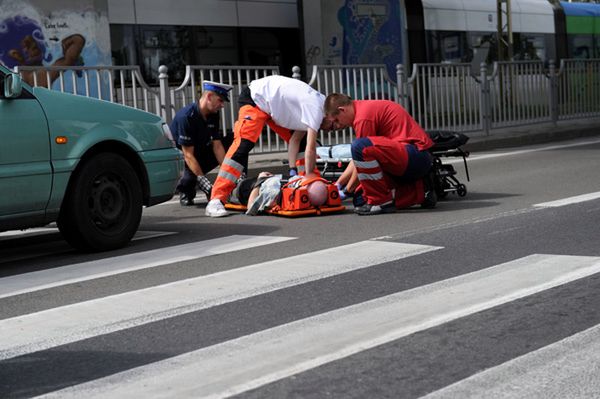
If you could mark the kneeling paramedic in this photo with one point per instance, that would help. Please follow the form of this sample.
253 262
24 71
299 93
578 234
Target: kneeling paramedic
389 155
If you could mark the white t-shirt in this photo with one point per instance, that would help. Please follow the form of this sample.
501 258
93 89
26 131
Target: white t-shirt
291 103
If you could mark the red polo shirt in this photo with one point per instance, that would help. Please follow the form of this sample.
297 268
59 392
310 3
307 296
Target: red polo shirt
388 119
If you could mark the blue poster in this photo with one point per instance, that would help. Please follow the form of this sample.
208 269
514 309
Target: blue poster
372 33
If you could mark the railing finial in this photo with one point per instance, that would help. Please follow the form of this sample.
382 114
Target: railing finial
296 72
165 93
163 72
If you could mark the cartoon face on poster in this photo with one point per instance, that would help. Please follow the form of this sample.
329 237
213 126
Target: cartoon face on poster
30 36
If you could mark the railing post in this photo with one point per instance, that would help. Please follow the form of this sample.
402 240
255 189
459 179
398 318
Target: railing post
400 92
165 97
485 99
296 72
553 92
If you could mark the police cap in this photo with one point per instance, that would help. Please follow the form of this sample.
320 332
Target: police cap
221 89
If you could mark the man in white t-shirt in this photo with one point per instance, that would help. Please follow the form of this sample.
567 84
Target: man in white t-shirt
292 109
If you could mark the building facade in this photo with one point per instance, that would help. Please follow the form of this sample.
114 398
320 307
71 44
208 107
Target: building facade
150 33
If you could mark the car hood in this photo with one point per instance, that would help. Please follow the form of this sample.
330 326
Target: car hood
74 116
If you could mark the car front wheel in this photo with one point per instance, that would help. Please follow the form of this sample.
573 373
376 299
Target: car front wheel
103 208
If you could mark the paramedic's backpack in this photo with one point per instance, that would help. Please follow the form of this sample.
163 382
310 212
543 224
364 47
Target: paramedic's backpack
446 140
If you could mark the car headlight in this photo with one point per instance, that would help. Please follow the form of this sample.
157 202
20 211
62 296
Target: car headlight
167 133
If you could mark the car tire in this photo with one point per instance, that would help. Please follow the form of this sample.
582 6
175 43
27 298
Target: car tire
103 208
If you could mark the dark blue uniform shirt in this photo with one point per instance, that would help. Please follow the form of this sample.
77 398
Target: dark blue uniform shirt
189 128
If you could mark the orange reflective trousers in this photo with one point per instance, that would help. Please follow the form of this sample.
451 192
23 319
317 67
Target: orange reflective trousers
247 131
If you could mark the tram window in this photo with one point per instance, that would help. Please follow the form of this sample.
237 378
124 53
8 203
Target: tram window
581 46
447 46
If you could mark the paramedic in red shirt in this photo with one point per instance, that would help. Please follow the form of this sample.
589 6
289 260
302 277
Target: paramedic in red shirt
389 153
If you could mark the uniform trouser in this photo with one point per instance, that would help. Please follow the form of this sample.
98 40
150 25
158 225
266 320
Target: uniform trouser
384 165
188 181
246 131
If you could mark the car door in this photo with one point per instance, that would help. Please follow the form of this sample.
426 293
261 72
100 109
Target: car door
25 168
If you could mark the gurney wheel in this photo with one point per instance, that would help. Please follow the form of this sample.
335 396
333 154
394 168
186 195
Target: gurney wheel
461 190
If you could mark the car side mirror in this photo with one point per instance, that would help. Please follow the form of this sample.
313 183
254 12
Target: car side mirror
13 85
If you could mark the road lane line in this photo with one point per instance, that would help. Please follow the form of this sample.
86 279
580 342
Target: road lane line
12 234
32 251
35 281
242 364
480 157
566 369
569 201
57 326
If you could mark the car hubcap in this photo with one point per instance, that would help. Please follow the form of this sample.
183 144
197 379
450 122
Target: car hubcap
107 201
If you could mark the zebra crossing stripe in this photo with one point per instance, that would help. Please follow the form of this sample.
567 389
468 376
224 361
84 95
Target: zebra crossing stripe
569 201
566 369
238 365
35 281
27 233
53 327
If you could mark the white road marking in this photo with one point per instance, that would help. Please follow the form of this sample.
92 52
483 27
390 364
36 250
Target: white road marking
236 366
49 328
566 369
146 234
28 232
569 201
35 281
520 152
33 251
11 234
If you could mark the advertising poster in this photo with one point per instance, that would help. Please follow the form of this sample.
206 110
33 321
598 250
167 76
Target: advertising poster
66 33
362 32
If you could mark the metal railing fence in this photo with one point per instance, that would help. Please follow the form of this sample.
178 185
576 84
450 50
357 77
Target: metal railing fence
578 89
236 76
120 84
519 94
441 96
438 96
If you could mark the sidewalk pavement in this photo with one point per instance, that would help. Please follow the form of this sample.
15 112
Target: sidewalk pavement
514 136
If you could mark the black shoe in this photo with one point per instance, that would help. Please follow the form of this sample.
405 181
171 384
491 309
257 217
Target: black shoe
430 200
358 200
185 200
370 209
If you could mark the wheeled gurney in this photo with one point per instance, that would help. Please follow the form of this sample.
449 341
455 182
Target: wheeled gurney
332 160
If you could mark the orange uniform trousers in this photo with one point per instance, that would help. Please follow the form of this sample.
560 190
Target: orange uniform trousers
246 132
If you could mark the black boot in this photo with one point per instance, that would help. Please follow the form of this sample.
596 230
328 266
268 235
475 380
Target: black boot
430 200
186 200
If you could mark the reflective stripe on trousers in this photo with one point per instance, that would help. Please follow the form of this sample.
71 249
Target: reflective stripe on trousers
380 162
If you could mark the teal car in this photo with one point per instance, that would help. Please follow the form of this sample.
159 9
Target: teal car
88 165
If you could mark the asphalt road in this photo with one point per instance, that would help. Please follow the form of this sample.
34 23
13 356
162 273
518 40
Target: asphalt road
491 295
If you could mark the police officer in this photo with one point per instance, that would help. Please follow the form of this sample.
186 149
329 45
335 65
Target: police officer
195 129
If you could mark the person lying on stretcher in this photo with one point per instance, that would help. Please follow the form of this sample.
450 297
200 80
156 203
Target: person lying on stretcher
261 193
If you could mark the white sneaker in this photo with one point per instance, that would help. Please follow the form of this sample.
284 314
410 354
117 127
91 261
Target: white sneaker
215 209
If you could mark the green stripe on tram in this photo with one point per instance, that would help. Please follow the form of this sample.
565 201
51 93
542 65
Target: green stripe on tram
583 25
